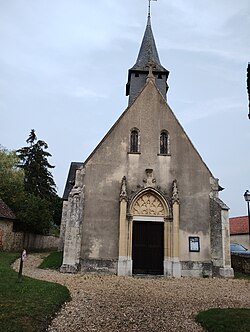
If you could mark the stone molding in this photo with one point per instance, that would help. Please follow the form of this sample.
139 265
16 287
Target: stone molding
123 193
148 204
175 193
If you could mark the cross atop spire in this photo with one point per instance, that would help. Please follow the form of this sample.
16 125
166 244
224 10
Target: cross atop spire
149 7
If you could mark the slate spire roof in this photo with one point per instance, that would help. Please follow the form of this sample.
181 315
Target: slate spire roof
147 57
148 51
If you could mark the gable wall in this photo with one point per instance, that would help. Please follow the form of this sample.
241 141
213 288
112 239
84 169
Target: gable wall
111 161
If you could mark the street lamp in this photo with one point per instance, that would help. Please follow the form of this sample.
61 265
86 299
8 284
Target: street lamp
247 199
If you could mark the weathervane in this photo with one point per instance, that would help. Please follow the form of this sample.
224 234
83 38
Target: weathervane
149 6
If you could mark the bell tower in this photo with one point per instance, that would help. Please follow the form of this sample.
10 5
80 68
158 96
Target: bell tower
147 57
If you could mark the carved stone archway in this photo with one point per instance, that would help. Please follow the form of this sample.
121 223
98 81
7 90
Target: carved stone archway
150 205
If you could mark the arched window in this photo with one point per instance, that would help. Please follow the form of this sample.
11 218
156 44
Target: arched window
164 142
134 140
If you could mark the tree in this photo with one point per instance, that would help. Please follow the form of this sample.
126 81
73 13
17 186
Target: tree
38 180
42 206
36 214
27 207
11 178
28 188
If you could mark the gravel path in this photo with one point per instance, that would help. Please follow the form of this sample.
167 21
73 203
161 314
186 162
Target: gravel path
110 303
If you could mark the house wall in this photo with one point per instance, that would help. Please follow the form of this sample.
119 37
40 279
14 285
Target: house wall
243 239
111 161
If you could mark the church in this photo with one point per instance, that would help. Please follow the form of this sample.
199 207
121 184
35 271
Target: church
144 201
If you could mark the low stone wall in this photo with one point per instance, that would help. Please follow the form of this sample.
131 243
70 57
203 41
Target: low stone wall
17 241
5 235
40 242
31 241
241 263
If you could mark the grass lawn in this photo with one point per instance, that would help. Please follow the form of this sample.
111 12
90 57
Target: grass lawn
225 320
52 261
240 275
28 305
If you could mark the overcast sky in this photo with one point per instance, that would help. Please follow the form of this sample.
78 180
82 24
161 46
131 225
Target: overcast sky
63 71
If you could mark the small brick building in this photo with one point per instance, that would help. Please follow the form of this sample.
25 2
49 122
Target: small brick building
239 231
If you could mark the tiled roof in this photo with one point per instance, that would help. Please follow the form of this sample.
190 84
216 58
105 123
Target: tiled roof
239 225
5 211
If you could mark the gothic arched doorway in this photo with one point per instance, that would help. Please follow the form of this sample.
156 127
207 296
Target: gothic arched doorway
148 247
149 233
148 210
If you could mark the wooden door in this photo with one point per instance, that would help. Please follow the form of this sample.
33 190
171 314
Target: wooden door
148 247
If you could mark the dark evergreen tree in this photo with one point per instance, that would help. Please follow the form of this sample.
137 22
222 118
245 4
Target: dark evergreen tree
41 206
38 180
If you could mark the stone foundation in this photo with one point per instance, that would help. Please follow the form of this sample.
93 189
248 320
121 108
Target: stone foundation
223 272
171 269
66 268
98 265
124 267
196 269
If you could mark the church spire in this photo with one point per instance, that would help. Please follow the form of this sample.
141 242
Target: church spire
148 51
147 55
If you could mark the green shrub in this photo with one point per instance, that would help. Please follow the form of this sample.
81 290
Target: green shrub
240 275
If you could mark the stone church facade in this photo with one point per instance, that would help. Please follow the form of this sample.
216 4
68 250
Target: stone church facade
144 201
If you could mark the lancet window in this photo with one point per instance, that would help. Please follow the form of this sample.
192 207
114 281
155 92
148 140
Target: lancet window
164 142
134 140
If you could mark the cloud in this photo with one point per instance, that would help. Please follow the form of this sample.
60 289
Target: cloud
82 92
193 111
61 56
229 54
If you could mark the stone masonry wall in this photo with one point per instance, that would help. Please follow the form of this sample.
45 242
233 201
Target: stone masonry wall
6 235
241 263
